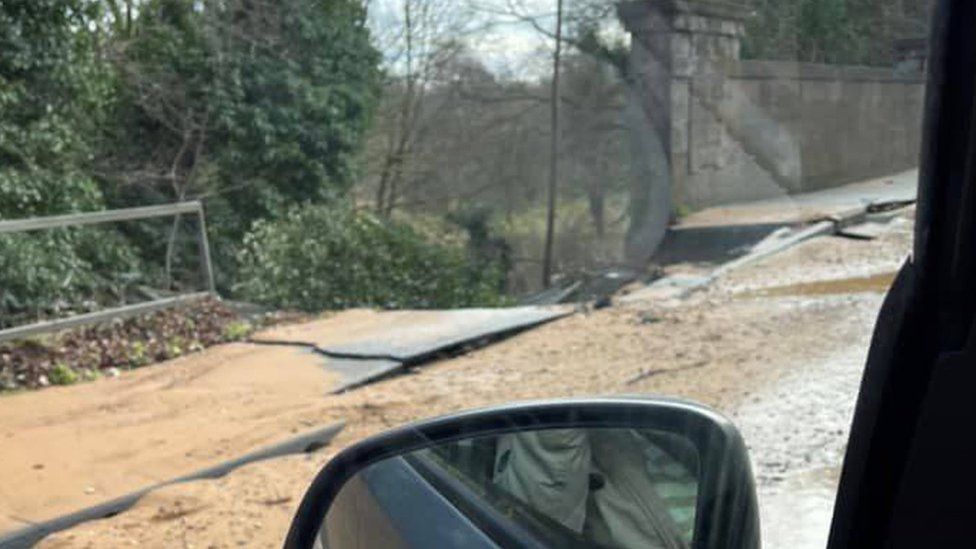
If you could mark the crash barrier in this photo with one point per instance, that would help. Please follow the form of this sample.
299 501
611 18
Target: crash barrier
193 208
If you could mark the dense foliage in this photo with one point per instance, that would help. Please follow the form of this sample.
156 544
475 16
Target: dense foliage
51 89
859 32
252 105
335 257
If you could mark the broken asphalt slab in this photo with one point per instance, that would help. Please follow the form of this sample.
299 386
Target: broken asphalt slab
359 372
680 285
363 346
864 231
584 287
407 337
304 443
711 244
853 210
898 189
780 241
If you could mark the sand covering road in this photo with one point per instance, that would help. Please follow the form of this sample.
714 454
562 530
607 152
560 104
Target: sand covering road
67 448
724 346
70 448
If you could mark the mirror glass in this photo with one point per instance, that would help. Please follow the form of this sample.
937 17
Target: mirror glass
556 487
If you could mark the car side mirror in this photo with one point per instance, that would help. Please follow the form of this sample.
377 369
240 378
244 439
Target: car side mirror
600 472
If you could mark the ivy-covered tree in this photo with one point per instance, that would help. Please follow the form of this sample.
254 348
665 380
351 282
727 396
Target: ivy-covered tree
252 105
52 91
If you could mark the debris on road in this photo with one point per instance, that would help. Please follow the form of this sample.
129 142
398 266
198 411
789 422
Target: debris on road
864 231
749 344
31 535
86 353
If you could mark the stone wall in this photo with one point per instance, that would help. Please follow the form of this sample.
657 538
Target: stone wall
740 130
849 122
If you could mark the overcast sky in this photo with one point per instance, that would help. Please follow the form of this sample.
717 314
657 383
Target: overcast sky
507 47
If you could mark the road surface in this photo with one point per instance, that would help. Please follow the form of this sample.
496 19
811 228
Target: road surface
777 345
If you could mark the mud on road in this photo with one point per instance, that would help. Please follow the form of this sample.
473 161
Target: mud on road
783 364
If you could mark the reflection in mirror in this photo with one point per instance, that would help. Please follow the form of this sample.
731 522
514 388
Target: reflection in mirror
558 487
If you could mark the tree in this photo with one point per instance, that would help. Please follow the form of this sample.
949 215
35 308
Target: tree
553 149
481 141
253 105
595 133
420 42
858 32
593 30
47 57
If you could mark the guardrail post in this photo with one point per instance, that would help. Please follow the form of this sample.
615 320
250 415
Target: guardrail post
109 216
204 245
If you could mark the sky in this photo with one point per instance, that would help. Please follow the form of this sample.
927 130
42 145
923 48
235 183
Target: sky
509 48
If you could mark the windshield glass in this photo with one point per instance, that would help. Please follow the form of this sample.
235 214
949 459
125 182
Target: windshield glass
225 224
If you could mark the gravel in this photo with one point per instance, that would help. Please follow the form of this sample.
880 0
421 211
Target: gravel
797 430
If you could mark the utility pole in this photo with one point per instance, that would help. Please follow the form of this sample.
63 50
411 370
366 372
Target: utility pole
553 150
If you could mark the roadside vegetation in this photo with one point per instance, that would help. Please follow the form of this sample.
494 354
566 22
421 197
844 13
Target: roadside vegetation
319 258
88 353
848 32
258 108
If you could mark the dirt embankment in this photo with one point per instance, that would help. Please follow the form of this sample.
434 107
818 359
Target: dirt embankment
724 347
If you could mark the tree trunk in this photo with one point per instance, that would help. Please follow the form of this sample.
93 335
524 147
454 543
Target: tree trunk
381 188
597 210
553 151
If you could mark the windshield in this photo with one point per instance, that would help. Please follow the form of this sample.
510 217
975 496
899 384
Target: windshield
225 224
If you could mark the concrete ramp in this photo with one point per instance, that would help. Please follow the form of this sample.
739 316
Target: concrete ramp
407 337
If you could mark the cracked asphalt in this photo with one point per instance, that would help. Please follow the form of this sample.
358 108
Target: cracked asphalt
777 345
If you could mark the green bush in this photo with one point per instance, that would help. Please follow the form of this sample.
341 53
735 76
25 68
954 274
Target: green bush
61 374
48 272
237 331
52 93
331 257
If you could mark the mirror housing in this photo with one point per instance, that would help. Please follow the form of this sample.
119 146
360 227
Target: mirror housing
726 512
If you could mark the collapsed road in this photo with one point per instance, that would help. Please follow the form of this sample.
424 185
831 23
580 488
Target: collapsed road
777 345
750 341
362 346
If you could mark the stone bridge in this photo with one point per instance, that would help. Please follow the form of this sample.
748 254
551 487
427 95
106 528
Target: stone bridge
716 129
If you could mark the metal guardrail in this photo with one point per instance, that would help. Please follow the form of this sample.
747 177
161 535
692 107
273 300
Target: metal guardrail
109 216
94 218
125 311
